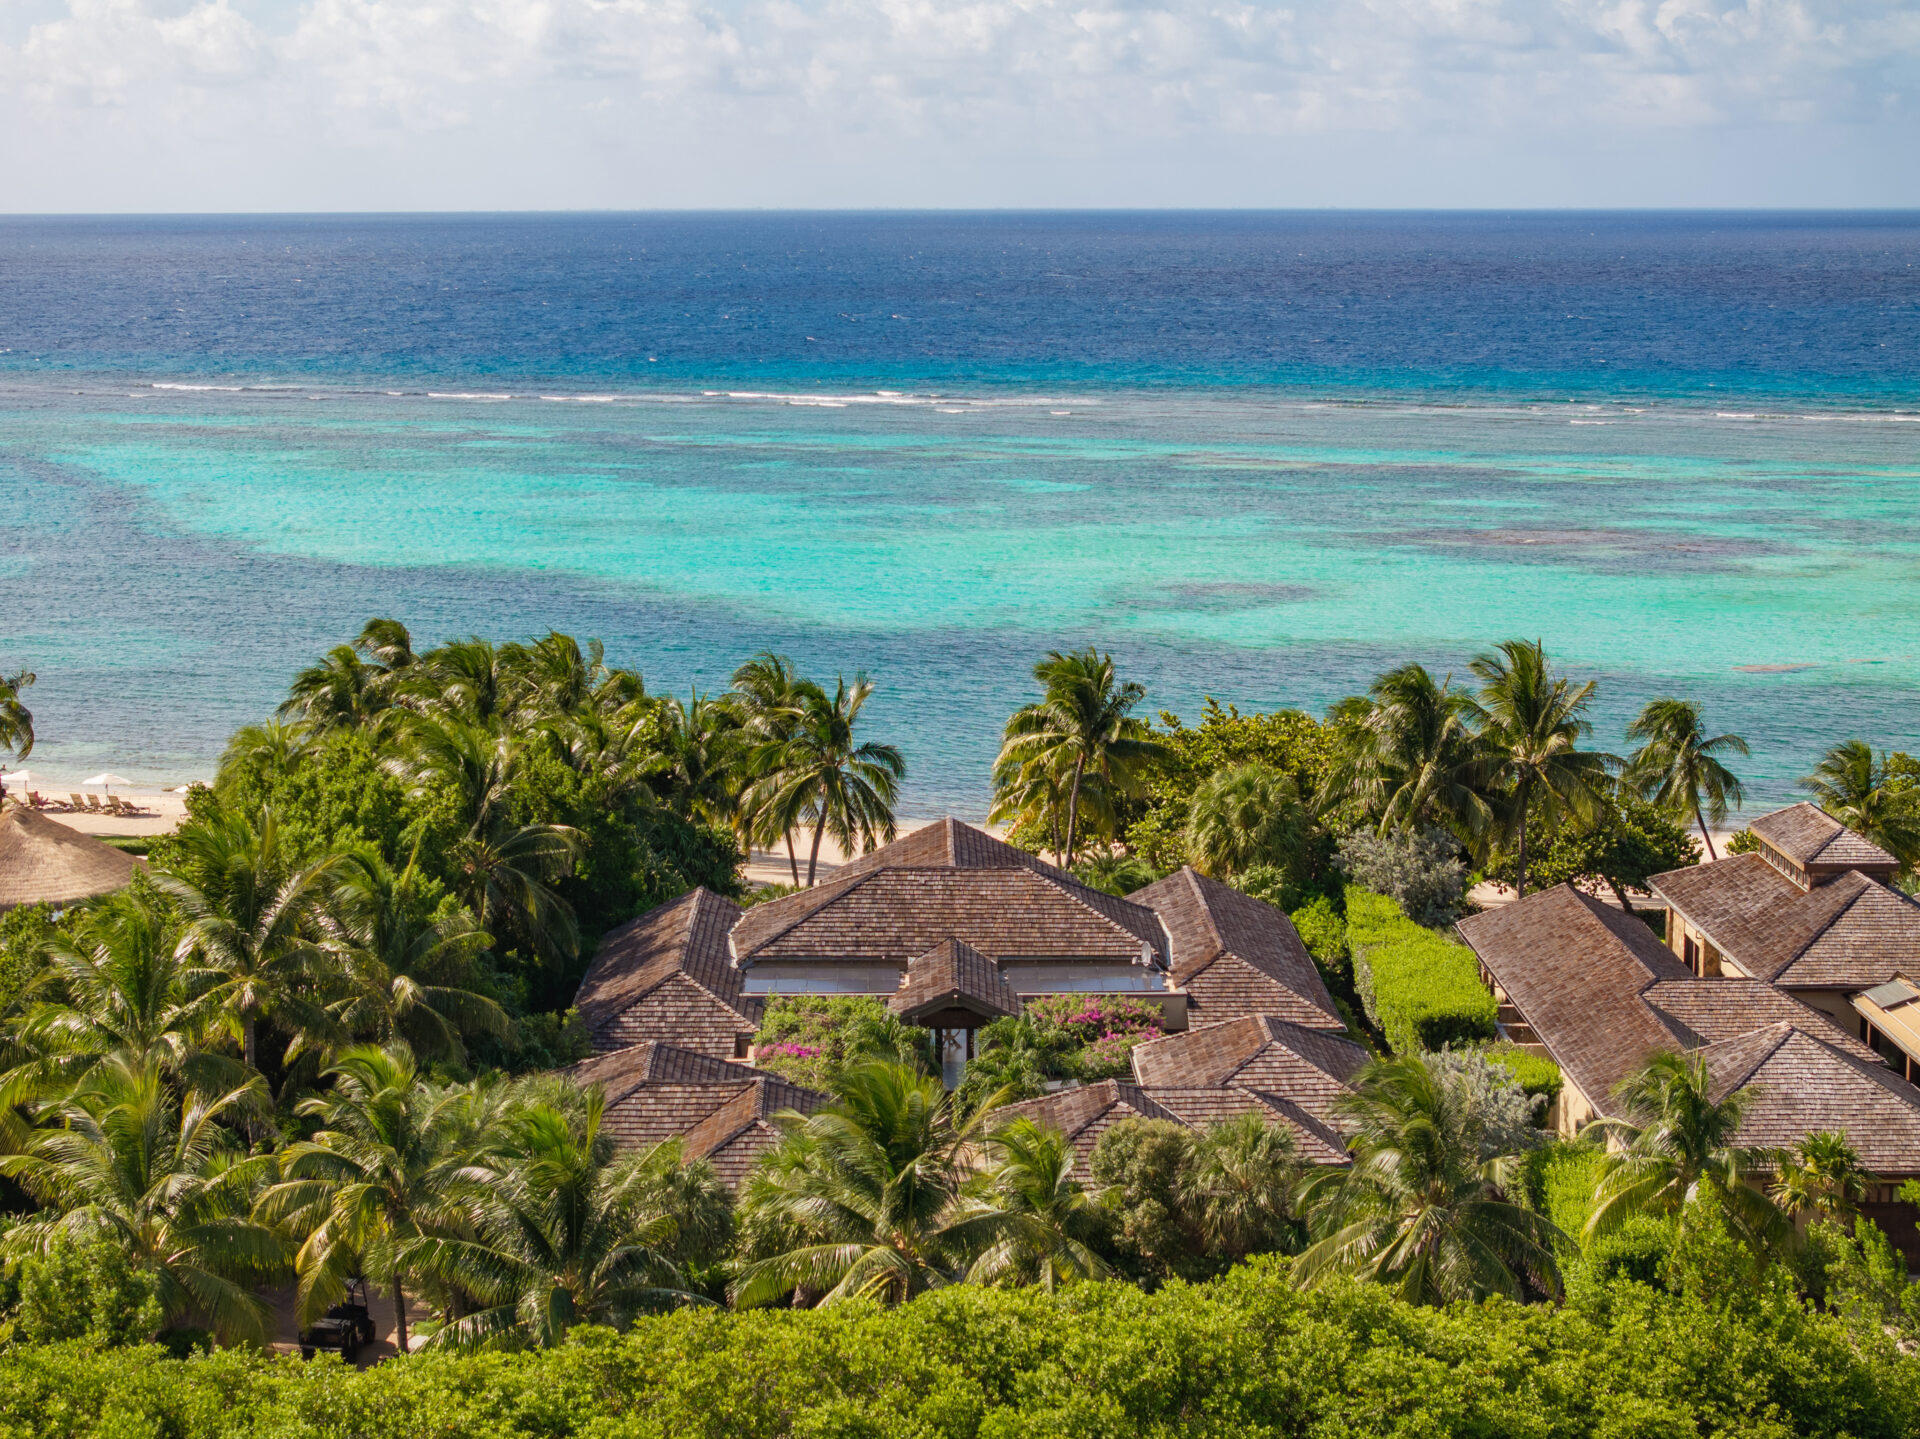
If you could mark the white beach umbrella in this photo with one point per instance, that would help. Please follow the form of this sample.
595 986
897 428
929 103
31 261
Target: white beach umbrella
19 779
107 779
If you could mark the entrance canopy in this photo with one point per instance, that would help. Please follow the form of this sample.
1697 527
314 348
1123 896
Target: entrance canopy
953 986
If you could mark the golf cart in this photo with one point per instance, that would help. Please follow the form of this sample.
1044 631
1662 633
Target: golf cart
346 1328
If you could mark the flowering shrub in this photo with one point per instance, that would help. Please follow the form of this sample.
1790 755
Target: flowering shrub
1104 1027
810 1039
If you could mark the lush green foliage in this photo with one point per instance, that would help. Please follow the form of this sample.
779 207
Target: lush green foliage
1535 1073
812 1039
1293 743
1423 991
1246 1355
91 1291
1621 843
1422 870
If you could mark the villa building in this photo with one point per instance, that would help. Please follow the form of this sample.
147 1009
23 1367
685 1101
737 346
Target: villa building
953 929
1786 969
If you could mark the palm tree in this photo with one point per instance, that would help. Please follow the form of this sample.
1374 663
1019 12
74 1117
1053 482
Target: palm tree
564 1233
1679 767
275 746
1083 725
1240 1186
408 959
122 1159
469 679
766 691
1856 787
1531 722
700 758
1419 1208
16 720
1037 1219
341 692
251 931
1245 815
1675 1141
819 773
374 1178
1822 1175
388 644
1410 756
504 872
121 990
867 1189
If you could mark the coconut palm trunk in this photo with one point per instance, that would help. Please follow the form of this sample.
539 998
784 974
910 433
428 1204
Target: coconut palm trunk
1706 837
399 1312
1073 808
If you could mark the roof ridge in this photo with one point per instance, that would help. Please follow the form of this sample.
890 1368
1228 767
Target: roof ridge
851 883
1783 1031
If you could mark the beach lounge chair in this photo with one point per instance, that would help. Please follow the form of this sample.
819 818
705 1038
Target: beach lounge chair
94 806
113 806
78 805
33 798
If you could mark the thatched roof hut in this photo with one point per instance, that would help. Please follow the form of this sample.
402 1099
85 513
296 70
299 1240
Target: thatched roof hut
44 862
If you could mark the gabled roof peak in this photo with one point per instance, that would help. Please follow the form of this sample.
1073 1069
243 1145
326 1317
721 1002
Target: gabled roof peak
1808 835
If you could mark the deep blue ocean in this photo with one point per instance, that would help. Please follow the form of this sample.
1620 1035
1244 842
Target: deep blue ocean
1259 456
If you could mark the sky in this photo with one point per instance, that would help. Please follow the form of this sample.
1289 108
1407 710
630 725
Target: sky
311 105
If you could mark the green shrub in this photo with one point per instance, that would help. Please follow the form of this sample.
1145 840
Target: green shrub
810 1039
1323 929
1246 1355
1638 1250
1560 1181
90 1292
1537 1074
1422 991
1742 841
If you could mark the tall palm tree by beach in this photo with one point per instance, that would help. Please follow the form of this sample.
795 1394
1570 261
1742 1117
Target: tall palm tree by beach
766 693
1678 767
564 1232
701 747
1410 757
16 720
340 692
1856 787
251 931
276 746
868 1188
1083 725
125 1159
820 773
374 1177
1419 1208
1037 1220
1245 815
1674 1140
1531 724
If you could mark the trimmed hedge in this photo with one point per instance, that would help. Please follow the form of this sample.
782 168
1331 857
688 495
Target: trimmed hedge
1535 1072
1246 1356
1420 989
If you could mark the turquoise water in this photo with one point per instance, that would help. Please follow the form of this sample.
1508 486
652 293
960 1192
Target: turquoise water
184 519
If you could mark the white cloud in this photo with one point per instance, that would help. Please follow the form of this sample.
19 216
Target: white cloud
680 89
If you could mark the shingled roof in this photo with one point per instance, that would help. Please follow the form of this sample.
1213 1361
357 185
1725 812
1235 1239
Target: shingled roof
1236 955
1311 1067
1577 970
1712 1010
721 1110
675 959
734 1134
953 975
1850 933
1810 837
947 880
1802 1084
1086 1113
